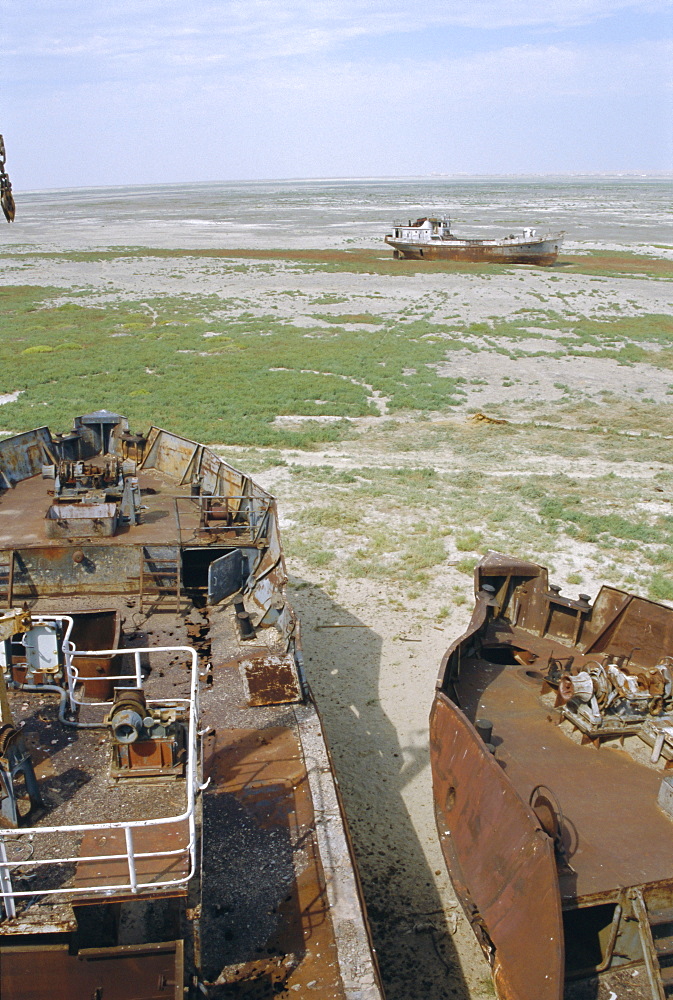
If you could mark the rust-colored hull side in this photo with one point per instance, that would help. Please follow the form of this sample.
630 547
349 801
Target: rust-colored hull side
544 253
493 843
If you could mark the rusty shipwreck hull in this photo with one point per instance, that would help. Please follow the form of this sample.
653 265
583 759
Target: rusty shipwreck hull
432 239
541 252
170 822
551 739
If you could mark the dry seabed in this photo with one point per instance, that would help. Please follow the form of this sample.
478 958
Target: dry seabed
383 526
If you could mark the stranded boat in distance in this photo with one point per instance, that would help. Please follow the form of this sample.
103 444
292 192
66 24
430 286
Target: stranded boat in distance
551 740
432 239
170 824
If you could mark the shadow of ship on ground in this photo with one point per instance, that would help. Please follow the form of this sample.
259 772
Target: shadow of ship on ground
416 953
552 749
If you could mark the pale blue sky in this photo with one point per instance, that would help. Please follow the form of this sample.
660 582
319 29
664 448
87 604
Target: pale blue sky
148 91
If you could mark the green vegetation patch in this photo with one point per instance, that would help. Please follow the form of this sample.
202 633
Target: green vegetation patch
587 526
350 318
408 524
355 261
179 362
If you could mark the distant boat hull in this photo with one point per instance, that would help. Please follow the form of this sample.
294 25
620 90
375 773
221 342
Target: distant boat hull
537 251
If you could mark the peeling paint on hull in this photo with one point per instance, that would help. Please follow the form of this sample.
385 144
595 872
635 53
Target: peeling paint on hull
543 252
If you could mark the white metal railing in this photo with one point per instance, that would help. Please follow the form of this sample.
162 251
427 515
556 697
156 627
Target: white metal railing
73 678
185 819
72 675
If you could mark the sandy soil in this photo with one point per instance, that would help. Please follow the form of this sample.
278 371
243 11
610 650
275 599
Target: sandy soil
464 297
545 379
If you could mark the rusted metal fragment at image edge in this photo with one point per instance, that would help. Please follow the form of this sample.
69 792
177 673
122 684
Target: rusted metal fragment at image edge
552 759
170 824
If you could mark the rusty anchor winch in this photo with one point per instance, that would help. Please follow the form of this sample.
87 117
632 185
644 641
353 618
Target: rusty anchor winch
146 741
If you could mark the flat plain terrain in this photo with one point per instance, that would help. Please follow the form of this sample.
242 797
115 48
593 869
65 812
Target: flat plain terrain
356 388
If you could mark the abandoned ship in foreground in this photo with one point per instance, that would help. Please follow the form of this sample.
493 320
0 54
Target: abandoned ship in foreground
432 239
552 747
170 824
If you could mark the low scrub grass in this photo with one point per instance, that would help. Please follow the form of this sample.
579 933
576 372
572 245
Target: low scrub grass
69 359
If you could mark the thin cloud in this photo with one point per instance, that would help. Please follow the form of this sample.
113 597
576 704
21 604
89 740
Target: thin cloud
255 88
583 72
259 29
503 76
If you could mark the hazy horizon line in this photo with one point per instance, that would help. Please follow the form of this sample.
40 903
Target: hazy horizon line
392 178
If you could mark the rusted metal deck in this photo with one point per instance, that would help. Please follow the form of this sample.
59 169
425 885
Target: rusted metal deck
156 971
551 743
23 510
609 797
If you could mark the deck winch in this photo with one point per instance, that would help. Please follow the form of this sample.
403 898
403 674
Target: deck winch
146 741
92 499
612 689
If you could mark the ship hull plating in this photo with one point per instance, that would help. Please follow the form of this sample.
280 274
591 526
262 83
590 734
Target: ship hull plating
541 252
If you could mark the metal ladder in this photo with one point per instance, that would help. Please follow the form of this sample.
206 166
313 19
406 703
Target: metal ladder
656 935
161 571
7 563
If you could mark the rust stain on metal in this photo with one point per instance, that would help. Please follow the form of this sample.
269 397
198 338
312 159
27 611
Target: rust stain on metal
271 679
265 772
111 773
94 630
507 882
153 972
431 239
101 870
